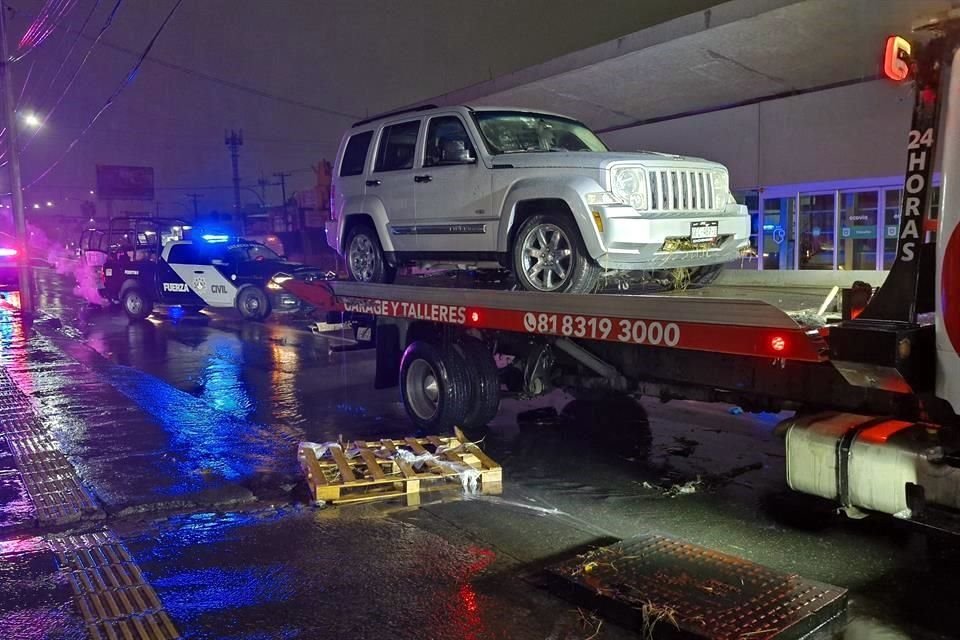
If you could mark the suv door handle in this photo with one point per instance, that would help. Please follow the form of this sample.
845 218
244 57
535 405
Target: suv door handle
373 183
422 178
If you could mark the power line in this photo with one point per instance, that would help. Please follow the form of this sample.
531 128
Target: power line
86 56
228 83
123 85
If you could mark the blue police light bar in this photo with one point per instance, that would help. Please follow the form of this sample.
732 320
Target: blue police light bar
213 237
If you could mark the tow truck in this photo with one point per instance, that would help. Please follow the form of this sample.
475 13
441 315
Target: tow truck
875 394
156 261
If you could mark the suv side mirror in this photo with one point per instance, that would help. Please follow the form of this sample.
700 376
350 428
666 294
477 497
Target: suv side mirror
457 152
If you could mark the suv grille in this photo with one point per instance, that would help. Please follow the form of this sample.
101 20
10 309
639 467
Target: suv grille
681 190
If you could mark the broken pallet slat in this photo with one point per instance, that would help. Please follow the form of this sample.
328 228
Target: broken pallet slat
373 465
346 473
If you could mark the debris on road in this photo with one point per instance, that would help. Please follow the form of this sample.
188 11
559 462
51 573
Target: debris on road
340 472
685 489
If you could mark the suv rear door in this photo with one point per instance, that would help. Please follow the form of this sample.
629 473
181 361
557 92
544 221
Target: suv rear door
392 181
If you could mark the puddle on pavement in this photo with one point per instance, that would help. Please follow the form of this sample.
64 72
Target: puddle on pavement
35 600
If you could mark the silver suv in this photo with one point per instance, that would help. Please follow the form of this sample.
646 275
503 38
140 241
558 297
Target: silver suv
538 193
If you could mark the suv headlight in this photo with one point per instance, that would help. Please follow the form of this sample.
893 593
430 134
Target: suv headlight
630 186
721 188
277 280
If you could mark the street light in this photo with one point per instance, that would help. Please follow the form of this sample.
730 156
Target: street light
32 121
36 206
49 204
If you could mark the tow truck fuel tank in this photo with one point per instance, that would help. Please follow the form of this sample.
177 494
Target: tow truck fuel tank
875 464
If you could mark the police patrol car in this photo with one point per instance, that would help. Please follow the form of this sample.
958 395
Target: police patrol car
152 262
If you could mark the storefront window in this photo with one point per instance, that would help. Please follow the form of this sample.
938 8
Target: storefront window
817 234
748 260
778 234
857 248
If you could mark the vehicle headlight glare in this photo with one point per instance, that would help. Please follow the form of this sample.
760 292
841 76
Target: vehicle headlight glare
278 280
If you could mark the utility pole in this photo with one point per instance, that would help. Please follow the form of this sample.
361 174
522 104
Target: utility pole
234 140
196 210
283 194
263 184
16 186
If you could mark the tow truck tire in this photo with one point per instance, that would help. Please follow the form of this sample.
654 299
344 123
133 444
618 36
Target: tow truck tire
705 276
567 254
135 304
434 386
364 256
253 304
484 380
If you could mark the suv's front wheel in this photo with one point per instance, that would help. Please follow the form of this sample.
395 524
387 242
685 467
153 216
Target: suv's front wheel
365 259
549 256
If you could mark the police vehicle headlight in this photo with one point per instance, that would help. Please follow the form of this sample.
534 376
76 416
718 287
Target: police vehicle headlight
277 281
630 186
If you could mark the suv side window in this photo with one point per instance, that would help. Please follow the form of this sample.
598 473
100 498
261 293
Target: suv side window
182 254
398 144
448 143
355 155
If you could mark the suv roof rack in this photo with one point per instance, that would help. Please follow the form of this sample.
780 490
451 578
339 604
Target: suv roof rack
423 107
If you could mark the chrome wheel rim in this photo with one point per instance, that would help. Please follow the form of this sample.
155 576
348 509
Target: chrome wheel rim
363 258
423 389
546 257
134 304
252 303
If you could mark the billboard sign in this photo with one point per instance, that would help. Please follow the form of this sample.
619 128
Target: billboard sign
118 182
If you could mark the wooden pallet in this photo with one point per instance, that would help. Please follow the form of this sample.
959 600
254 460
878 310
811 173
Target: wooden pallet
376 471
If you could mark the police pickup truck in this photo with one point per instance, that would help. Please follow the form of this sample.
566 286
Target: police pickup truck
150 262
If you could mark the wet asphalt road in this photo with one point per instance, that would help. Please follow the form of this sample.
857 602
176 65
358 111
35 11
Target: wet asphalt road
186 433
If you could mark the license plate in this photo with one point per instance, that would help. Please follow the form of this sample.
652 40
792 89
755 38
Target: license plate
704 231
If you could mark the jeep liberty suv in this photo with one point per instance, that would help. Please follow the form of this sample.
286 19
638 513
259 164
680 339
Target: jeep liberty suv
537 193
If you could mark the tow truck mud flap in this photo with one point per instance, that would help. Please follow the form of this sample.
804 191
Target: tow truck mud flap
665 588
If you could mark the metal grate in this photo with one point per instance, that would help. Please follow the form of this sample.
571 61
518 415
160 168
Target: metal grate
696 591
681 190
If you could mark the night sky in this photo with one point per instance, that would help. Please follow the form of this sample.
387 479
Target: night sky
293 74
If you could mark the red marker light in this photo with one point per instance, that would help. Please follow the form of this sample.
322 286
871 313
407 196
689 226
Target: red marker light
474 317
5 252
778 343
895 58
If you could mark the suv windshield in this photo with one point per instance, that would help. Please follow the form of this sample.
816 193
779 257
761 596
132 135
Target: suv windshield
521 131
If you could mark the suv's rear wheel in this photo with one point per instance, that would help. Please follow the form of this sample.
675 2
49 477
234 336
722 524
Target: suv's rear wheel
136 305
549 256
365 259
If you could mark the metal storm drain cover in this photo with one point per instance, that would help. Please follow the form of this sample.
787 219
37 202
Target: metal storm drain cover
668 588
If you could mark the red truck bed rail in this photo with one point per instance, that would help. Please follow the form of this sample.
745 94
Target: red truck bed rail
731 326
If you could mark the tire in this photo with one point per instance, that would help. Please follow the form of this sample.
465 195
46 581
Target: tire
136 304
253 304
363 254
484 380
565 253
705 276
434 386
